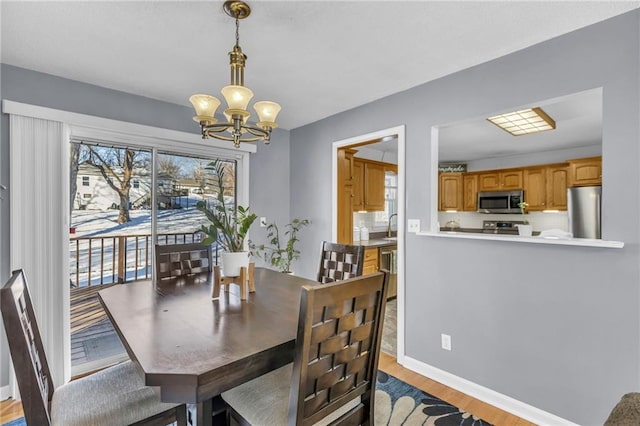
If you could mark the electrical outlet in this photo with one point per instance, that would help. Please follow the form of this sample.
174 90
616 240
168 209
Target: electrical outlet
413 225
446 342
263 222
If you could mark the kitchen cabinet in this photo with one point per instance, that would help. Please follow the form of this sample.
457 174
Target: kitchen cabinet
545 187
450 191
345 196
585 171
557 182
500 180
368 185
470 192
370 261
535 188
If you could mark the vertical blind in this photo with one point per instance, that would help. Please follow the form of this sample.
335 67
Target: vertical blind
39 229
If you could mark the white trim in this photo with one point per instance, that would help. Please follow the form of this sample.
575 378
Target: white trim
399 131
433 196
162 138
5 392
434 230
583 242
504 402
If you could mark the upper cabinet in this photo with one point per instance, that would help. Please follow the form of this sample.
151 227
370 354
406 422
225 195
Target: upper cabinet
585 171
557 177
368 185
500 180
450 191
470 192
545 187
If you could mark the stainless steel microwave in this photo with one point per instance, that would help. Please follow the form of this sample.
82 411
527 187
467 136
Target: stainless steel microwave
500 201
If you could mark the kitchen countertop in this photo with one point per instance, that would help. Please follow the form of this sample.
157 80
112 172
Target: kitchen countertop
486 232
377 242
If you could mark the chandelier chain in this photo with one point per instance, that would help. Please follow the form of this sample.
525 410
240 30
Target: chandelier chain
237 31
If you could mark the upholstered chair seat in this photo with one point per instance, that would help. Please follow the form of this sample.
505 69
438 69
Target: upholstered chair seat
111 397
115 396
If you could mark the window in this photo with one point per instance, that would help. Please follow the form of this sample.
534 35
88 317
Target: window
390 197
86 195
85 181
136 183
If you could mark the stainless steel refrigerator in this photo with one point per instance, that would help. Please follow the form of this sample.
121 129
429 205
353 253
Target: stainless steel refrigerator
584 205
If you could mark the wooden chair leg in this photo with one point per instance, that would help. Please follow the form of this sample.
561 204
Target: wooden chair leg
252 281
217 277
242 282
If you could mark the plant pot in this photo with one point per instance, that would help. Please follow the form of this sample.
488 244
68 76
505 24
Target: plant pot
525 230
232 262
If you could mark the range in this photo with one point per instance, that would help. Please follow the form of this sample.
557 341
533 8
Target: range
501 226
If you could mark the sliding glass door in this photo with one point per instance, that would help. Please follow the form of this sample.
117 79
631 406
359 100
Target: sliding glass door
111 239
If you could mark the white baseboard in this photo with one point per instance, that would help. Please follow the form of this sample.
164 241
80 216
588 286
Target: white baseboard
5 392
504 402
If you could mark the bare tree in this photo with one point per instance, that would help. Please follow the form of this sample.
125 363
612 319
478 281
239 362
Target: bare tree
116 165
200 176
168 166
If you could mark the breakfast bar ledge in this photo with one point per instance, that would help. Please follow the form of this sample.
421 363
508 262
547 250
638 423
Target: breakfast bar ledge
584 242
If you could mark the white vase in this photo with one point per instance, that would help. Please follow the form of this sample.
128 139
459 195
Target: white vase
232 262
525 230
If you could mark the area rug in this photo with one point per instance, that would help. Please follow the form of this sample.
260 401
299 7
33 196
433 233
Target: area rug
399 403
16 422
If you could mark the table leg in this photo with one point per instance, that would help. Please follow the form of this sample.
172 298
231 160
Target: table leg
200 414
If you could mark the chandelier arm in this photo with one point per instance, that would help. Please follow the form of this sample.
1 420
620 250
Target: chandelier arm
217 134
257 131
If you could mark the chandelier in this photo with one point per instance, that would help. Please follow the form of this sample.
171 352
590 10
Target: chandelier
237 127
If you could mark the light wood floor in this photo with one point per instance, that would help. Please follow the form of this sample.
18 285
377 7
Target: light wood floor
11 410
478 408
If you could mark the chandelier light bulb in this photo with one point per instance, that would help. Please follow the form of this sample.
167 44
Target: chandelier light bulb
237 97
205 106
267 112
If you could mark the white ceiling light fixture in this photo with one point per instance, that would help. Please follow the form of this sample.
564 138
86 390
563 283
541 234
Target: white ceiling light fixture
524 122
237 127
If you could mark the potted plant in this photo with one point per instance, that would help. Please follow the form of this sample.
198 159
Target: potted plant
229 225
278 255
525 229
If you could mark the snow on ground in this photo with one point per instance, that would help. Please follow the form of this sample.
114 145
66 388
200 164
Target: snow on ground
101 223
93 258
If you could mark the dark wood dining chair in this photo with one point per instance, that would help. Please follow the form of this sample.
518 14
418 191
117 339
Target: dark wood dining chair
340 262
114 396
334 371
175 260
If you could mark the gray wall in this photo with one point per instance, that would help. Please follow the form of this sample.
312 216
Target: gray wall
268 169
556 327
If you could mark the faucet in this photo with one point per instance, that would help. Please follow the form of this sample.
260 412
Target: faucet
389 226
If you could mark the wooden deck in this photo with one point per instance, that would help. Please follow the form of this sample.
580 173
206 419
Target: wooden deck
86 309
92 334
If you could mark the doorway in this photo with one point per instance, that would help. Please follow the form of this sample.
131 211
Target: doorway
385 148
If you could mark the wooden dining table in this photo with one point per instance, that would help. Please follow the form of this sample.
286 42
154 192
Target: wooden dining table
194 348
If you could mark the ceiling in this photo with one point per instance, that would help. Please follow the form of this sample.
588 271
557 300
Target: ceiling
316 58
578 120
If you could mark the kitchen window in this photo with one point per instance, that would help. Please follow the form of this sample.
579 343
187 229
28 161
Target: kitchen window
390 200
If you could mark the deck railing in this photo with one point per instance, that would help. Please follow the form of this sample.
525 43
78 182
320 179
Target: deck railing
118 259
